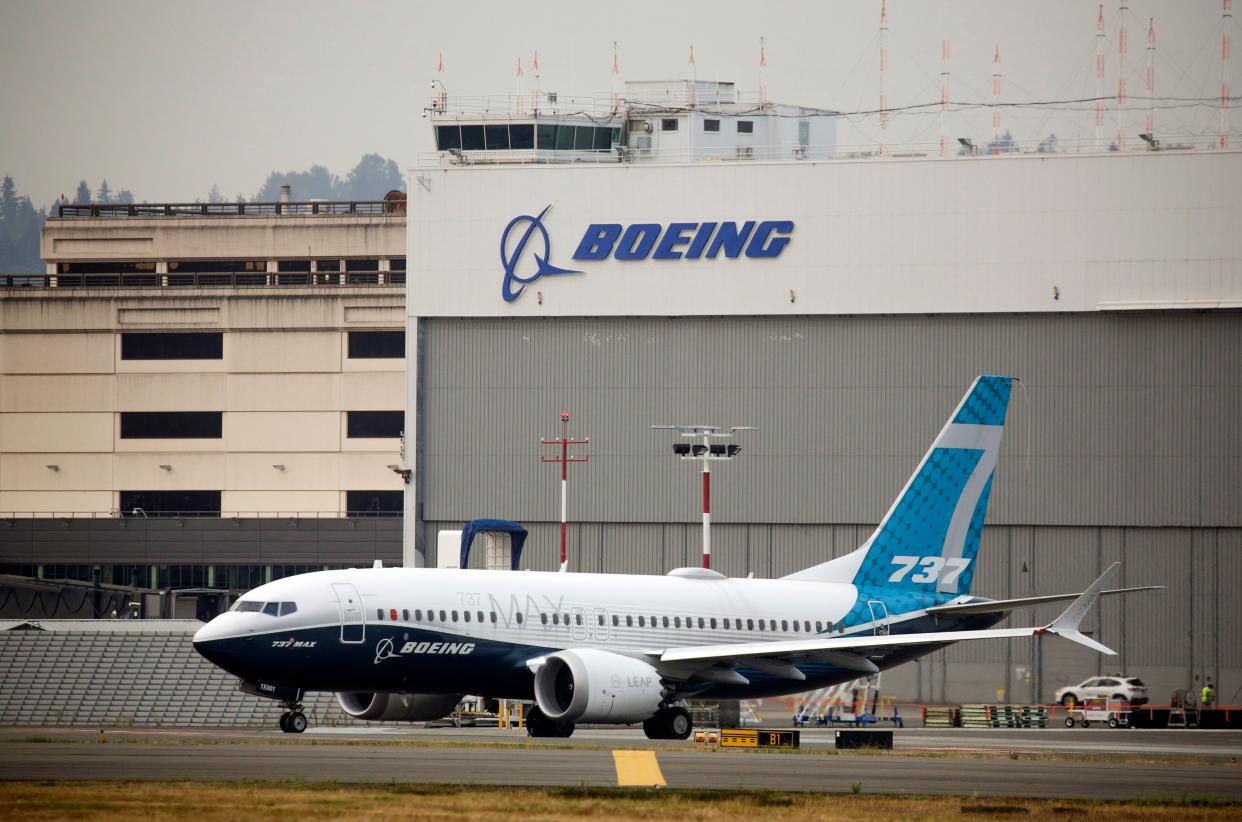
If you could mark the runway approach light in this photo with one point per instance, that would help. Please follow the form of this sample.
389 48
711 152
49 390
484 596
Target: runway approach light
706 452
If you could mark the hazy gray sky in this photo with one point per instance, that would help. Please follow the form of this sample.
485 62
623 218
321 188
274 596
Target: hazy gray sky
167 98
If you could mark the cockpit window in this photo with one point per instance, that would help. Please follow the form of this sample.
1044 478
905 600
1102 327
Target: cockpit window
288 608
272 608
249 605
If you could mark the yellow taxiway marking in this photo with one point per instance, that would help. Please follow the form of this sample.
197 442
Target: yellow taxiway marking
638 768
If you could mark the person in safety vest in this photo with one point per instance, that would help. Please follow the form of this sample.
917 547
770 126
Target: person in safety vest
1209 694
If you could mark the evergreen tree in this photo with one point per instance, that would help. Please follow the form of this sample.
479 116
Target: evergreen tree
19 231
105 192
214 196
124 196
372 178
8 200
316 184
84 193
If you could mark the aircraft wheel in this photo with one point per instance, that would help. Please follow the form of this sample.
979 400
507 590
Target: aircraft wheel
539 725
564 729
296 723
284 722
677 724
653 727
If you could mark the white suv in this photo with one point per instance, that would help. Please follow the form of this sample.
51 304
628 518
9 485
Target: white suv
1122 688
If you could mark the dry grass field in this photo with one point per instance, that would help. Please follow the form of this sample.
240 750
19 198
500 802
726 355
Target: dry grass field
207 801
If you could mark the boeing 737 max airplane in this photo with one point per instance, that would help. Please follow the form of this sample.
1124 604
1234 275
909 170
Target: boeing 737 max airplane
406 643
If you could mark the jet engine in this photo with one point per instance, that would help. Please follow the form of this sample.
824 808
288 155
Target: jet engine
589 685
387 707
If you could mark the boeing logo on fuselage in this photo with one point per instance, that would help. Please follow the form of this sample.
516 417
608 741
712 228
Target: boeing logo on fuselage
756 239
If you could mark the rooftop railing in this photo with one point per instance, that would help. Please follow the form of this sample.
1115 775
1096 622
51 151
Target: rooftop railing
954 149
8 517
206 279
328 208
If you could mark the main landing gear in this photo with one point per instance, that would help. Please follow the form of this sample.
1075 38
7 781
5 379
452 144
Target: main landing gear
293 721
537 724
669 723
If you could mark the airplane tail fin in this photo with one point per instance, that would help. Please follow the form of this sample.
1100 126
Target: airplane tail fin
928 540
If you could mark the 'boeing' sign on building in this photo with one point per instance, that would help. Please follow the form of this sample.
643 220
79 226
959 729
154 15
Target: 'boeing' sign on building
638 241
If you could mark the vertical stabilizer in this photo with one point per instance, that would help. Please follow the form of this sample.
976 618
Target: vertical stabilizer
929 539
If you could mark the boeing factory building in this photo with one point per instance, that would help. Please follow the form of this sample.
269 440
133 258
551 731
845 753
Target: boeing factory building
841 306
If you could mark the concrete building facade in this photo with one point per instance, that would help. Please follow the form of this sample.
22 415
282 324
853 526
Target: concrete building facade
895 283
176 363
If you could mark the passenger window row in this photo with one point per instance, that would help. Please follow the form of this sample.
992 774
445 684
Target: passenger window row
631 620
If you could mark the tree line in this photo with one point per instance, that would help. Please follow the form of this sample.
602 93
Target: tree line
20 222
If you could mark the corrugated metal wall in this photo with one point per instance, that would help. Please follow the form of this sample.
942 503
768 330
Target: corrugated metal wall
1131 420
1127 445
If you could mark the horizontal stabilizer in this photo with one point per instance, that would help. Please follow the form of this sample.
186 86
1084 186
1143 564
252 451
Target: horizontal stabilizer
997 605
1067 624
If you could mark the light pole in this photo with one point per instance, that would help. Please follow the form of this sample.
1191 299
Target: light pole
706 452
564 441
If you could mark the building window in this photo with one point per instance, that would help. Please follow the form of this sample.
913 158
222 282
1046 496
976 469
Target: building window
711 125
668 124
745 126
372 424
521 135
201 425
374 503
448 137
472 138
370 345
182 345
156 503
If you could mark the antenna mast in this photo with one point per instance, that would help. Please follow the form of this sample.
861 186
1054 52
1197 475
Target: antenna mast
763 75
883 67
1099 80
1151 76
944 88
1226 48
996 90
1121 78
616 78
694 79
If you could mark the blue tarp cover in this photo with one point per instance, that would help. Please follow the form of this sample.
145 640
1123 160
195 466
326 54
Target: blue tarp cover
480 526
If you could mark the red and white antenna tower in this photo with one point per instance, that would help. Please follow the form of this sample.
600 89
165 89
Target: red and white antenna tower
694 79
440 101
944 88
1099 80
534 91
1151 76
1226 48
616 78
564 441
1123 11
996 90
517 88
763 74
883 66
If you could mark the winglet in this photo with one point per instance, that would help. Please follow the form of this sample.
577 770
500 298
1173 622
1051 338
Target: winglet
1066 625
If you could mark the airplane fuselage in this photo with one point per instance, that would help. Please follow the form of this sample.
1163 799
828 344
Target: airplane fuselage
469 631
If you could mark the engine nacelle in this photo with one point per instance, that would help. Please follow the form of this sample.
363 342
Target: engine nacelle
386 707
589 685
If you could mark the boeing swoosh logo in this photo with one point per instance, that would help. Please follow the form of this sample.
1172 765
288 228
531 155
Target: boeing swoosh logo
511 257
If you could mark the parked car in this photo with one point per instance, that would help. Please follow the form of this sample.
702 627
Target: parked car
1117 687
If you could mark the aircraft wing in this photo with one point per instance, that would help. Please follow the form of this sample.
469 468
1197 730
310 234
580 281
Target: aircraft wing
997 605
853 652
